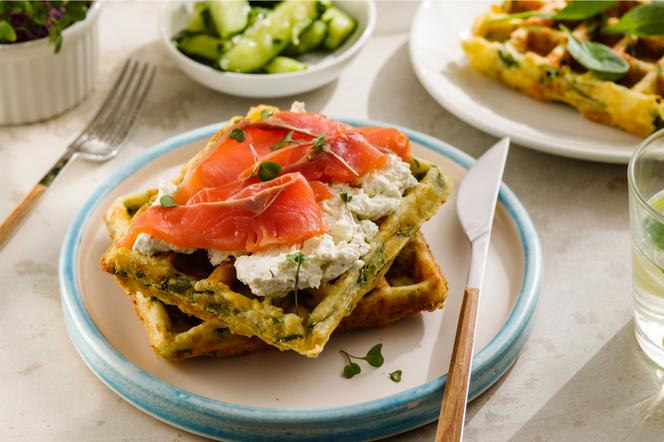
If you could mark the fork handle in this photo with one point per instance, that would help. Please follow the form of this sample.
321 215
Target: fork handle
19 212
453 411
29 200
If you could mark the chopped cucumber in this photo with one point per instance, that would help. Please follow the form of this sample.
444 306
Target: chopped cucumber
311 38
340 26
280 65
264 40
202 46
229 16
256 14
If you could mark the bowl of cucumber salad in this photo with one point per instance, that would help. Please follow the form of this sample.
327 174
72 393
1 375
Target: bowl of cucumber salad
264 49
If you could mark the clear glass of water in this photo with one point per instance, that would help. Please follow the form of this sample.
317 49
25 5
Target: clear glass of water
646 209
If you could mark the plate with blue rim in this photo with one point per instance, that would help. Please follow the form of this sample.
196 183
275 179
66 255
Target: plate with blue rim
276 395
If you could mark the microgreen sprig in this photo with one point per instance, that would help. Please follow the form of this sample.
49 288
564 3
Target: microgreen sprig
285 140
320 146
299 258
373 357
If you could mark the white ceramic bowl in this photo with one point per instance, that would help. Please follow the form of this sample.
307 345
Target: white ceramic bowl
323 68
36 83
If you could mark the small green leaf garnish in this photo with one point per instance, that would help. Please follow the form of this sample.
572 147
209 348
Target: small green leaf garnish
265 114
395 376
374 356
654 232
268 171
645 19
285 140
319 146
596 57
351 370
167 201
345 197
298 257
237 135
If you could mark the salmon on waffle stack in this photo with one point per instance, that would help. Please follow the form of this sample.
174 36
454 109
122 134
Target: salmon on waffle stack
278 228
605 58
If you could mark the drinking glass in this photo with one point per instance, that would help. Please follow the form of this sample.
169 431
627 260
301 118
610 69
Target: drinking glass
646 209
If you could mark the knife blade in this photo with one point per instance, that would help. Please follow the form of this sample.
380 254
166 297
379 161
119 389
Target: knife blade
476 205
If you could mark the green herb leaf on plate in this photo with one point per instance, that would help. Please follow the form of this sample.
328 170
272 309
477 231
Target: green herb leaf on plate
596 57
167 201
351 369
395 376
645 19
237 135
268 171
374 356
285 140
345 197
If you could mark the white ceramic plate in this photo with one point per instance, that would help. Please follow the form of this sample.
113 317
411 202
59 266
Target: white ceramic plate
443 69
281 395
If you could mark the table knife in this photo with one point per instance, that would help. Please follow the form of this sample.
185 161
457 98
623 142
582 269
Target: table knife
476 205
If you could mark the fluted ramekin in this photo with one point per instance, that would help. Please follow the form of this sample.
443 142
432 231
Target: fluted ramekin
36 83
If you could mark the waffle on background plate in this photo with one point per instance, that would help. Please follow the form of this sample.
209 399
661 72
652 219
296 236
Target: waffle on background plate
213 294
414 283
530 55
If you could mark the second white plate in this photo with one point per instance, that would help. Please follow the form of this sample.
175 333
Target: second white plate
442 67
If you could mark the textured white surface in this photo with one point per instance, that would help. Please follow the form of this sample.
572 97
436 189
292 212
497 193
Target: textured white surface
581 376
37 83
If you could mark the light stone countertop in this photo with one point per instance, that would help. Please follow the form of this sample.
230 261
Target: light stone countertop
581 376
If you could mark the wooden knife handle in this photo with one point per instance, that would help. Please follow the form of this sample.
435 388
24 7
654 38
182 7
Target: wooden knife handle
19 212
453 411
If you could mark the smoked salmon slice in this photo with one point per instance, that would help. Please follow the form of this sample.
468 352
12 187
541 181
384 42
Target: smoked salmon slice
253 218
221 203
388 138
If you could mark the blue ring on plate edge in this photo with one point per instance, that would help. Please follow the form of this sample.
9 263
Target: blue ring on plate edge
365 421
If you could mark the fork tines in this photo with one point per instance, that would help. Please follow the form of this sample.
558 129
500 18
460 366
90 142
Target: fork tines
112 123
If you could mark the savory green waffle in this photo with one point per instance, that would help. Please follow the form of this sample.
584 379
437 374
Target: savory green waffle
413 284
522 44
212 294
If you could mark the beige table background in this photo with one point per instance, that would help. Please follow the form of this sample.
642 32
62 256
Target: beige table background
581 376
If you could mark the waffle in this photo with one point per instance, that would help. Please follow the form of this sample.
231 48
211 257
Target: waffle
530 55
413 284
213 294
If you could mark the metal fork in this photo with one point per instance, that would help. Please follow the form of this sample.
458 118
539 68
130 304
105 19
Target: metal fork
101 139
